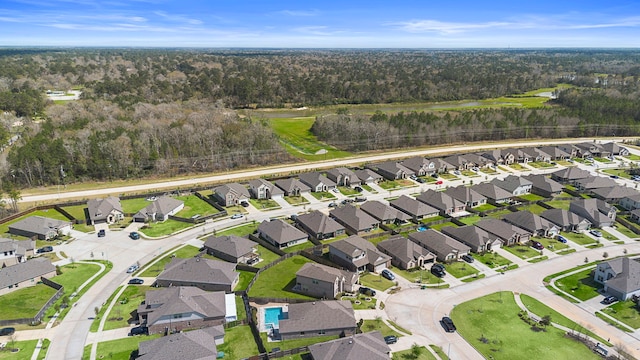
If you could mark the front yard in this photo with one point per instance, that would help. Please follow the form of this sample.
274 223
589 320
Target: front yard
264 204
375 281
296 200
379 325
420 276
522 251
625 312
579 238
121 315
168 227
581 285
460 269
492 259
323 195
277 281
194 206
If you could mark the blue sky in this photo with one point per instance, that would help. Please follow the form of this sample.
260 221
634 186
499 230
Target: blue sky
325 24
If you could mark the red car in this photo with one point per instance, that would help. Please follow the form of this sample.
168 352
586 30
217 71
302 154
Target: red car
536 245
439 182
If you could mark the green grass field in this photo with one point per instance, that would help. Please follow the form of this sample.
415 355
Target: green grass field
578 238
74 275
534 208
460 269
379 325
117 349
376 281
193 205
164 228
265 204
76 211
625 312
26 347
245 279
492 326
581 285
132 206
296 137
121 314
24 302
522 251
492 260
184 252
559 204
278 280
238 343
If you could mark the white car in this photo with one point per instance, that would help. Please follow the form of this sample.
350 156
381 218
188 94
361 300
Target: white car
132 269
237 216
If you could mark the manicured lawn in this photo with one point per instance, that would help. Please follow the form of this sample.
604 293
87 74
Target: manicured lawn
348 191
519 167
50 213
304 245
492 326
278 280
379 325
164 228
492 260
238 343
499 214
448 176
242 230
389 184
264 204
581 285
323 195
294 343
625 231
296 200
245 278
559 204
633 157
540 164
522 251
365 302
235 209
624 311
193 205
127 303
431 219
117 349
460 269
76 211
182 253
132 206
296 137
376 281
24 302
531 197
469 173
368 188
423 354
633 224
26 347
440 226
74 275
484 207
488 170
534 208
470 220
619 172
266 255
555 244
608 236
578 238
96 320
422 276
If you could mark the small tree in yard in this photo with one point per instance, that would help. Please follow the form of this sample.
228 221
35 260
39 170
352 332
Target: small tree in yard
546 320
416 350
605 255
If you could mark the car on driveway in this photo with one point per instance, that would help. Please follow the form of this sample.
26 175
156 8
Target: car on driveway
367 291
236 216
439 182
562 239
447 324
335 190
134 235
438 270
595 233
244 204
390 339
388 275
421 180
45 249
609 300
358 189
332 204
537 245
139 330
7 331
468 258
136 281
102 233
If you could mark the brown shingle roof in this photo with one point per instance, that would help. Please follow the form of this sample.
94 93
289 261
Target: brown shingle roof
369 346
199 270
318 315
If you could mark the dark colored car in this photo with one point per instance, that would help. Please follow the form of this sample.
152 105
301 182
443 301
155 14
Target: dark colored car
390 339
136 281
244 204
438 270
388 275
421 180
562 239
358 189
609 300
537 245
360 199
45 249
139 330
447 324
102 233
134 235
468 258
367 291
7 331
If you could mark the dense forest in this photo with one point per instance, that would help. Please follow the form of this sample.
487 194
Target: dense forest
163 112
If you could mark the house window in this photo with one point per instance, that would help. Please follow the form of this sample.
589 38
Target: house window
314 281
177 316
321 332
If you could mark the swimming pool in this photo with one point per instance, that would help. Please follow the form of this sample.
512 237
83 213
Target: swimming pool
272 317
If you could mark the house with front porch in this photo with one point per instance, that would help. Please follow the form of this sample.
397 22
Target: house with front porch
566 220
107 210
598 212
159 210
446 248
508 233
231 194
477 239
262 189
615 149
358 254
292 187
368 176
420 166
319 226
317 182
391 170
405 254
281 234
325 282
343 177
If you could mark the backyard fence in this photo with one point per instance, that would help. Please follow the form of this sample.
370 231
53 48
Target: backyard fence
40 314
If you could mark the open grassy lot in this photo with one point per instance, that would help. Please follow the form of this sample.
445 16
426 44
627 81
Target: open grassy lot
242 230
121 314
373 325
390 184
264 204
376 281
581 285
296 200
182 253
492 260
522 251
410 354
488 170
294 343
245 279
132 206
296 137
26 347
235 209
491 325
50 213
164 228
578 238
625 312
76 211
24 302
460 269
238 343
278 280
117 349
193 205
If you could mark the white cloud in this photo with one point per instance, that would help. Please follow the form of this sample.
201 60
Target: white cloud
178 18
299 12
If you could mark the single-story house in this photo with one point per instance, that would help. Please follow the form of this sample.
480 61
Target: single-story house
354 220
493 193
467 195
566 220
263 189
319 226
343 177
508 233
232 248
598 212
544 186
316 181
442 166
325 282
621 277
318 318
555 152
206 274
613 195
358 254
15 251
369 346
635 216
591 149
420 166
384 213
444 247
570 175
414 208
108 210
391 170
194 344
595 182
615 149
445 203
405 254
159 210
631 202
292 186
515 185
509 156
532 223
280 234
368 176
480 161
459 162
41 227
25 274
477 239
231 194
178 308
494 156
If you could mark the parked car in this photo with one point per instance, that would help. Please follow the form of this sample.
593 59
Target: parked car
360 199
139 330
335 190
413 177
595 233
421 180
468 258
537 245
614 176
457 172
236 216
447 324
7 331
562 239
438 270
390 339
609 300
244 203
332 204
132 268
136 281
134 235
439 182
388 275
434 175
367 291
358 189
102 233
45 249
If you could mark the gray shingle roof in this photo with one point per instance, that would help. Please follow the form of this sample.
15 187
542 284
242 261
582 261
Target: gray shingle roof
182 300
161 206
292 185
412 206
528 221
274 190
404 250
501 229
615 192
233 188
318 315
544 183
232 245
199 270
355 245
469 234
511 183
99 208
628 274
491 191
367 175
369 346
39 225
318 222
562 217
464 194
324 273
572 173
353 217
20 272
383 212
596 182
280 231
417 163
313 179
438 242
342 172
439 200
393 167
192 345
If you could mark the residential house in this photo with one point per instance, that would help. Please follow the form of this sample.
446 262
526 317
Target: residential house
459 162
405 254
478 160
614 195
369 346
631 202
532 223
509 156
555 153
515 185
317 182
343 177
368 176
614 149
391 170
420 166
384 213
319 226
570 175
205 274
414 208
318 318
324 282
358 254
445 203
536 155
292 187
598 212
15 251
41 227
159 210
508 233
108 210
444 247
467 195
196 345
590 149
595 182
442 166
494 194
262 189
354 220
233 249
520 156
177 308
231 194
280 234
570 149
544 186
494 156
566 220
25 274
620 276
476 238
